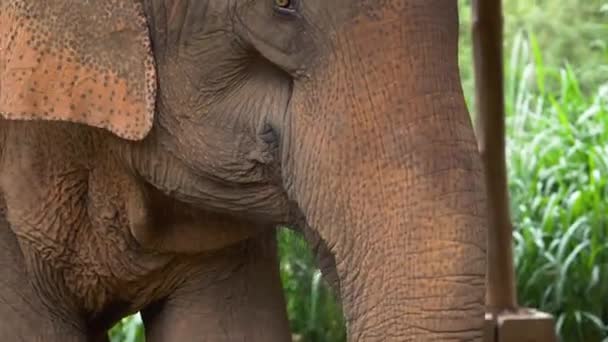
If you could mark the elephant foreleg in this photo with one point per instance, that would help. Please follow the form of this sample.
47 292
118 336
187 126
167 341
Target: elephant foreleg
234 295
23 315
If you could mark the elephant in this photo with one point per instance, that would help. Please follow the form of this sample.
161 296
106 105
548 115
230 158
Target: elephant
149 149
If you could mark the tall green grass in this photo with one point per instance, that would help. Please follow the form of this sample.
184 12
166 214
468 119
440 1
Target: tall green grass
314 314
558 170
571 31
129 329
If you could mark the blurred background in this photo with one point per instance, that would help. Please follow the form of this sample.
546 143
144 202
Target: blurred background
556 63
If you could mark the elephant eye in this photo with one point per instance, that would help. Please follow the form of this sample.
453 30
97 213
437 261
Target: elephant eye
285 6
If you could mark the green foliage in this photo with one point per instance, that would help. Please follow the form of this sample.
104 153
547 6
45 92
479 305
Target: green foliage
567 31
314 314
558 169
129 329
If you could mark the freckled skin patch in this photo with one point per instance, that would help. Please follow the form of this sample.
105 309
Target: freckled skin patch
84 62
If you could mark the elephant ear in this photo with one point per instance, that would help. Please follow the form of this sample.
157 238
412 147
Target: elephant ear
84 61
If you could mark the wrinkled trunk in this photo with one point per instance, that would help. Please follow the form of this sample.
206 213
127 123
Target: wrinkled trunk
382 161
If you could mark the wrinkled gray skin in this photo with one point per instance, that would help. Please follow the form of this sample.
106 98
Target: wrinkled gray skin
345 120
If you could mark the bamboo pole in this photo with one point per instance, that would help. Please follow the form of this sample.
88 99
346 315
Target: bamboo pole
490 128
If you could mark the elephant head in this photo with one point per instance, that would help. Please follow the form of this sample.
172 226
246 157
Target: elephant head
344 118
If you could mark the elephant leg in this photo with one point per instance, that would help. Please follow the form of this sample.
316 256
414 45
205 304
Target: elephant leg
24 316
234 295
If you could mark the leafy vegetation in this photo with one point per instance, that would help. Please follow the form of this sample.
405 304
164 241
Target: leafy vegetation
129 329
558 155
313 311
557 126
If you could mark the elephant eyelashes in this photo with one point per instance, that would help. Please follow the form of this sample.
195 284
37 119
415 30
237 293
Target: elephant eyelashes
285 6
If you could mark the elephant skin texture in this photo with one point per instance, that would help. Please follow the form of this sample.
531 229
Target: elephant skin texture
149 149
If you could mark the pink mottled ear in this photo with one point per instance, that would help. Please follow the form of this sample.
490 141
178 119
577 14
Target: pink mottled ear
86 62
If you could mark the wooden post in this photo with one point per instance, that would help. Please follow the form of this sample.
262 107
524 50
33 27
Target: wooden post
490 129
505 321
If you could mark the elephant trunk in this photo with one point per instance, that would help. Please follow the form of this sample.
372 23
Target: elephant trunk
381 159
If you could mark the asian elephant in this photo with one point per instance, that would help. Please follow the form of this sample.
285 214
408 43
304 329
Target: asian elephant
150 148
